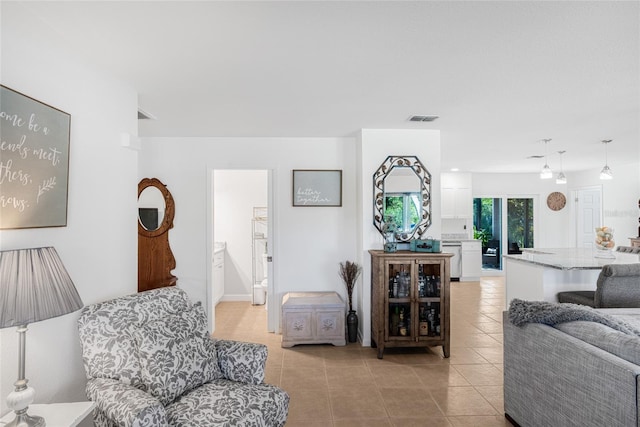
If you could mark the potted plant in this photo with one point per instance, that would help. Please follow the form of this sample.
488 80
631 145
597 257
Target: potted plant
349 273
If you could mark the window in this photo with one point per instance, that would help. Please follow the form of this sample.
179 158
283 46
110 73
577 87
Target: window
404 208
520 223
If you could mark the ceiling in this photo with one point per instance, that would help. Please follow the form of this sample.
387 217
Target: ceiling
501 76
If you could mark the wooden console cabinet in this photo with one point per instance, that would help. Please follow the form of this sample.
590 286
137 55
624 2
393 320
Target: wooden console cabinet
410 300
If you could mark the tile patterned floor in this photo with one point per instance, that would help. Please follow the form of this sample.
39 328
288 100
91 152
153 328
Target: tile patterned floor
350 386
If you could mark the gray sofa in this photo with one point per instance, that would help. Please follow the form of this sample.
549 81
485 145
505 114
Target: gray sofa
576 373
151 362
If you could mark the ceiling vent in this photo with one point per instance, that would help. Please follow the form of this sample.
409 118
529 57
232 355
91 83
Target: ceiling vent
536 156
143 115
422 118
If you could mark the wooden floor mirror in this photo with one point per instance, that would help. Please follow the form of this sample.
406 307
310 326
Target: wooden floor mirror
156 210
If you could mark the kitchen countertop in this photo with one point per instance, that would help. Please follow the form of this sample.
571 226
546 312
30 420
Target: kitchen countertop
571 258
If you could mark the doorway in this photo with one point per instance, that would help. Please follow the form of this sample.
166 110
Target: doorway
588 208
236 196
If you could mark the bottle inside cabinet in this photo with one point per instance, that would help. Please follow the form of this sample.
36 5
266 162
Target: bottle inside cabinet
400 320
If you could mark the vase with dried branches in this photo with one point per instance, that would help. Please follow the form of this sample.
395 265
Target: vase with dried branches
349 273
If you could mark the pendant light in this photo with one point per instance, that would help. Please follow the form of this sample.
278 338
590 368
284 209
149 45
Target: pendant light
561 179
606 171
546 173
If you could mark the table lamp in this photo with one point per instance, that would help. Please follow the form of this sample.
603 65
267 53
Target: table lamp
34 286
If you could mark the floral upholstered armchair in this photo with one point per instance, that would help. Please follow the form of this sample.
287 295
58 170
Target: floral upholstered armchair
150 362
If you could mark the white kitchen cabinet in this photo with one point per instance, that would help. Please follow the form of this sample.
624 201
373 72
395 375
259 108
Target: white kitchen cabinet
457 203
456 196
218 275
471 260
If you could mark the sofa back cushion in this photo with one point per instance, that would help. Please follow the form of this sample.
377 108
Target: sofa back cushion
106 331
176 354
625 346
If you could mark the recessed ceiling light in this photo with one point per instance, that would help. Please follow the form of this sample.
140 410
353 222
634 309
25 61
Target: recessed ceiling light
455 169
422 118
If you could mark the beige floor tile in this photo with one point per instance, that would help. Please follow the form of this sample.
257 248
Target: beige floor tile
273 375
490 327
309 423
478 421
479 375
494 395
363 422
465 356
351 376
474 340
421 422
435 377
309 405
405 402
398 376
304 378
492 354
454 401
356 403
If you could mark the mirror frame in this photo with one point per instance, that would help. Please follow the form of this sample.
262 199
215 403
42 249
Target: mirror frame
425 192
169 208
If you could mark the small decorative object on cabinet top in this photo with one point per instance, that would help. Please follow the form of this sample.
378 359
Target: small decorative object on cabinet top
604 242
556 201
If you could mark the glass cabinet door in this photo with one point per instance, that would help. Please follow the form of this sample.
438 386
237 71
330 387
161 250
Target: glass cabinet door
400 294
429 298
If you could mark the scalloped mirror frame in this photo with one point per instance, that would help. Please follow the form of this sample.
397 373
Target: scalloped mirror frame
425 191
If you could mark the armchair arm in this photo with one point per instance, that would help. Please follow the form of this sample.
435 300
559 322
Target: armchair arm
242 361
124 405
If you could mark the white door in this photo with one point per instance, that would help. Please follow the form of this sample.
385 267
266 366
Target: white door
588 211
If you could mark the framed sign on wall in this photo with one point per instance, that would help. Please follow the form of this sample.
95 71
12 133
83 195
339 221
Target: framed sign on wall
34 162
317 187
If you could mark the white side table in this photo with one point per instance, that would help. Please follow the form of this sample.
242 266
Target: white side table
56 414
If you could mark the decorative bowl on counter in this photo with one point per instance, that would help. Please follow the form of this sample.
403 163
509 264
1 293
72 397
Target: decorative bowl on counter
604 242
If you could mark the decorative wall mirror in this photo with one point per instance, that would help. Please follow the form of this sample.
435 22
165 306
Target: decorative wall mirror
402 193
156 210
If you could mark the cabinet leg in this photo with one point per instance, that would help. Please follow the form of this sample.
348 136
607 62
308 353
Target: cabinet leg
446 350
380 351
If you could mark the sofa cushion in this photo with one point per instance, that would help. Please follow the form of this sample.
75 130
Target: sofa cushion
176 354
228 403
106 331
625 346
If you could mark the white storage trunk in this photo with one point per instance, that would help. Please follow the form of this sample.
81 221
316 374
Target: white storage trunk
313 318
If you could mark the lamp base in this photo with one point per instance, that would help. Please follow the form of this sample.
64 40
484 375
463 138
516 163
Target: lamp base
26 420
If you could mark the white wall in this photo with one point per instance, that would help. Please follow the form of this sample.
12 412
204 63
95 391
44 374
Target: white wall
620 197
236 193
98 245
309 242
556 229
374 146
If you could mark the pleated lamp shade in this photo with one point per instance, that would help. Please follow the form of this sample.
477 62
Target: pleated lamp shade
34 286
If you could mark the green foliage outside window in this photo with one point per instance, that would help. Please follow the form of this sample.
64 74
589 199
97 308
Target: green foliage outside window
403 209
